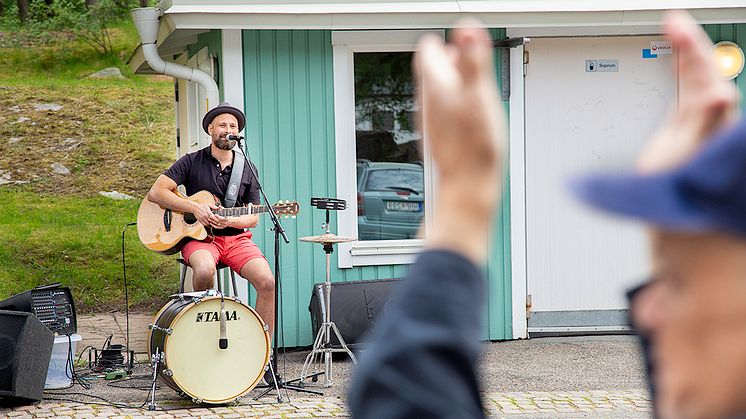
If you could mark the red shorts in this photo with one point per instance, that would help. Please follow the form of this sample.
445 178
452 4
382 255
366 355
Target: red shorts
233 251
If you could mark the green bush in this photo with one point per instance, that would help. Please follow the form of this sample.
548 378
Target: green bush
90 23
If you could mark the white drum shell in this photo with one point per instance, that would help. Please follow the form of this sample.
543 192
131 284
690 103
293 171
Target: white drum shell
195 364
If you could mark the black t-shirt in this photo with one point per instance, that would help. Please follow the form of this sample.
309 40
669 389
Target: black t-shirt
200 171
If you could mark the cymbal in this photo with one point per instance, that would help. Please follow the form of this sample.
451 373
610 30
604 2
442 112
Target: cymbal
327 238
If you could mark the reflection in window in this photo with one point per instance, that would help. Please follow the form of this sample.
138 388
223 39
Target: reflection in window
390 174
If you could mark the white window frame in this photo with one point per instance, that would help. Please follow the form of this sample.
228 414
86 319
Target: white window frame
369 252
196 109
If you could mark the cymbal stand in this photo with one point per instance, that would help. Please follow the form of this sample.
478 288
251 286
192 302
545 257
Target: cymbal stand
322 343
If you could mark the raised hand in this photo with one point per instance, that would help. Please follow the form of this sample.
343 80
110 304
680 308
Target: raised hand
705 103
463 126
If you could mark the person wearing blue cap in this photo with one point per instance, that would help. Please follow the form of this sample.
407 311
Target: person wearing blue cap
230 240
690 187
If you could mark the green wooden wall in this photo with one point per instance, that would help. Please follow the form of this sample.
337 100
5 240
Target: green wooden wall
290 132
289 106
499 324
735 33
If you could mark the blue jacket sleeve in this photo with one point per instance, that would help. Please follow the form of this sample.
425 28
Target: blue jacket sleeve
421 362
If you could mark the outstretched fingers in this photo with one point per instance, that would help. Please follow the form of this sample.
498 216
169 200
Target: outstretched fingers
474 45
705 104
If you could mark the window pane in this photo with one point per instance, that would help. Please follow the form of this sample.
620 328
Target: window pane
390 174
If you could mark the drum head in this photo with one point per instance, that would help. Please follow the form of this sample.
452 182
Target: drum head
204 371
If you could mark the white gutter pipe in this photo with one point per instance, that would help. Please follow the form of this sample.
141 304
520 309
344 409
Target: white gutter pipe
147 23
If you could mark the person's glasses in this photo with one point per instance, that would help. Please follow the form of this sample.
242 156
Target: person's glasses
635 291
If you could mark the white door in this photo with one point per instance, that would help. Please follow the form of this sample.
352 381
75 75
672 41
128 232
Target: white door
590 103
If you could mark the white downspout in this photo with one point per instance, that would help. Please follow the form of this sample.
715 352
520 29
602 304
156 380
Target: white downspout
147 21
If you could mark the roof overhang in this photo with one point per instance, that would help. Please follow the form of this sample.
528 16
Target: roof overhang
419 14
183 20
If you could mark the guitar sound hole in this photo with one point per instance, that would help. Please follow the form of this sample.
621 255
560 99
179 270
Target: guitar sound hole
190 218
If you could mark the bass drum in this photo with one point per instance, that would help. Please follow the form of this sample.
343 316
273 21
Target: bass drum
187 332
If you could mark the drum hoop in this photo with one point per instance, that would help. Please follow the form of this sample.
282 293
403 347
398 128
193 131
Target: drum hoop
157 316
178 317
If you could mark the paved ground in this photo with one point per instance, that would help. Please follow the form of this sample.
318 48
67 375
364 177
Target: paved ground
597 376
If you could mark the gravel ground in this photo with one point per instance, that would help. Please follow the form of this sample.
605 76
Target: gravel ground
563 364
542 364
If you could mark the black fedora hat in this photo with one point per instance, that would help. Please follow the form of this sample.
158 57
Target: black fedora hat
223 107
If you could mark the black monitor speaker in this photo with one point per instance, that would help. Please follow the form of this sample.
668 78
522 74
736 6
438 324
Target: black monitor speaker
25 351
355 306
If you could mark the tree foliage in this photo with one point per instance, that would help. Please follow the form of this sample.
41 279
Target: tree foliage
384 86
89 20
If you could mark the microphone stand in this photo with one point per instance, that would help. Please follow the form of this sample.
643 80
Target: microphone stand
279 231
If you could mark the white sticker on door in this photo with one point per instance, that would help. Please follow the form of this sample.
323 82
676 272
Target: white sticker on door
601 66
661 47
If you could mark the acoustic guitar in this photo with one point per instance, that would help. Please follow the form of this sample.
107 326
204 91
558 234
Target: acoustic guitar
166 231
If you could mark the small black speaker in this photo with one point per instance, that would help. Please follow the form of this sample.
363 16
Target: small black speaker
25 351
355 306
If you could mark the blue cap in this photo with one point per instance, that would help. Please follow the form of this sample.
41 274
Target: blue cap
704 194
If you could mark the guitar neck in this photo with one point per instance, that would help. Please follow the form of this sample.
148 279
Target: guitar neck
239 211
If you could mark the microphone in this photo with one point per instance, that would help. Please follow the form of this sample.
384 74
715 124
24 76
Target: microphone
223 341
236 138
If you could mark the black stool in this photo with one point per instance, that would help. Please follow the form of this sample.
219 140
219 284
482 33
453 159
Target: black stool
218 268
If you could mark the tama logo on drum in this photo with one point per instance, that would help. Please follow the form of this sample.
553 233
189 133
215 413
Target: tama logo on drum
214 316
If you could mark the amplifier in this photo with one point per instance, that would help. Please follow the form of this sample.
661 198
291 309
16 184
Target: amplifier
355 307
52 304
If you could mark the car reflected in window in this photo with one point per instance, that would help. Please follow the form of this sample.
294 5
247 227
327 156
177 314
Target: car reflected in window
390 200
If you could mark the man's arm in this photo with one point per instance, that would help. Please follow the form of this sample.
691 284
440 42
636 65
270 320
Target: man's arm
244 221
162 193
424 350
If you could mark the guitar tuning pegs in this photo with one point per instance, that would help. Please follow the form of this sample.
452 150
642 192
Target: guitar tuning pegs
287 202
293 217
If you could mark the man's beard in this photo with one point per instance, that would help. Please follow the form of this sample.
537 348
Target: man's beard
224 144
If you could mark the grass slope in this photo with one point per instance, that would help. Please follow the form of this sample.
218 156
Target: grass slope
111 135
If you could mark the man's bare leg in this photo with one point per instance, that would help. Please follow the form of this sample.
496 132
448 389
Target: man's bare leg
257 272
203 270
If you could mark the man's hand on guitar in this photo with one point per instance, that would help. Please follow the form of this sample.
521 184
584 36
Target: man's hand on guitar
222 222
204 214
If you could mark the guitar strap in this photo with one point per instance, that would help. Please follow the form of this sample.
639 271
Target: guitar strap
234 184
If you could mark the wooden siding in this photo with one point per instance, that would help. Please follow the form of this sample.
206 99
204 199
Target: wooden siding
499 325
290 132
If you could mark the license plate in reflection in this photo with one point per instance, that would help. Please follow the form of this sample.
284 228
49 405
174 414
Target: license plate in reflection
403 206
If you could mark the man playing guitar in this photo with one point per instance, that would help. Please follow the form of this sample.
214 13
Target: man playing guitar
229 241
